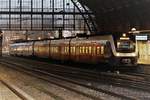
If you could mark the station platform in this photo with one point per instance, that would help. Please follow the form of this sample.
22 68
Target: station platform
7 94
144 61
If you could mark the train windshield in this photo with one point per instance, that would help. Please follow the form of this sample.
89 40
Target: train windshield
125 46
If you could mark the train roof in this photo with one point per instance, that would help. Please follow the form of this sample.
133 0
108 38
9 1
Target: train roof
18 44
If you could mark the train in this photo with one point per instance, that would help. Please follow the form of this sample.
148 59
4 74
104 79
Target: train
102 49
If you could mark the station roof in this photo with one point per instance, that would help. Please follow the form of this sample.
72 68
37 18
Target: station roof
120 15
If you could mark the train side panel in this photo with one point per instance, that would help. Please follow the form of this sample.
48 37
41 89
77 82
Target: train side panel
55 49
12 50
65 50
28 49
22 49
41 49
89 51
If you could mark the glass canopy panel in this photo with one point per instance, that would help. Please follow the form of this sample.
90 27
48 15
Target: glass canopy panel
42 14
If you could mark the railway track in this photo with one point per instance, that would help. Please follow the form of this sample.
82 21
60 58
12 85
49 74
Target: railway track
18 92
122 80
146 76
57 78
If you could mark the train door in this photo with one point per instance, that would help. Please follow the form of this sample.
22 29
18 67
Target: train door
64 51
88 52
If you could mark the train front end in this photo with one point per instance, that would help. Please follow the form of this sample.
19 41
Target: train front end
126 54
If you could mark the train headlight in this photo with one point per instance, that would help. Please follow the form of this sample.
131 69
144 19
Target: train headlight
118 43
133 54
117 54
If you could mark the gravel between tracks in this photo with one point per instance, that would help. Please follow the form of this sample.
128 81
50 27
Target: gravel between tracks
139 95
40 90
52 92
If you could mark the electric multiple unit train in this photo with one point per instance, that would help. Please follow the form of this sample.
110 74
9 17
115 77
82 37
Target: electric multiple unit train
90 50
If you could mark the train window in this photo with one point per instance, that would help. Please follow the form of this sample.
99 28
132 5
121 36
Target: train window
67 49
71 49
87 50
77 50
30 48
102 49
94 50
98 50
42 48
39 49
52 49
47 49
35 49
64 50
74 50
57 50
90 50
83 50
80 50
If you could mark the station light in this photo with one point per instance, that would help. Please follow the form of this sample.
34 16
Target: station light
133 29
39 38
29 38
124 38
124 35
